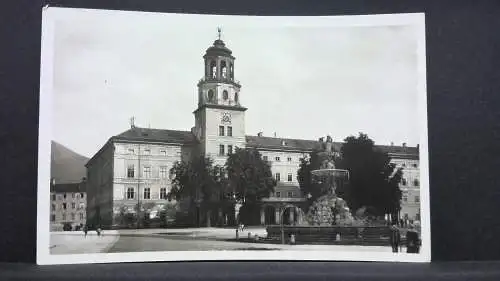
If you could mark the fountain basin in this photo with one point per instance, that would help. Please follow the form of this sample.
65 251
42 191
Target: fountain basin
325 235
331 172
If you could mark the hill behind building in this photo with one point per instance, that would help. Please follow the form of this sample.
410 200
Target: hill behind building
66 166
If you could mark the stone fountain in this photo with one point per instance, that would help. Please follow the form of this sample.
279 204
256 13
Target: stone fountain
329 209
329 219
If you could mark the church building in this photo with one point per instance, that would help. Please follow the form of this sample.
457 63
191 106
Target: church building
133 166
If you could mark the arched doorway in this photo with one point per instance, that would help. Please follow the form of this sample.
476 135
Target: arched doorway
270 215
290 215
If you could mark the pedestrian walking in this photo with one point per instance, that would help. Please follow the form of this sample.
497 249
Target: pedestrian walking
395 238
98 230
85 230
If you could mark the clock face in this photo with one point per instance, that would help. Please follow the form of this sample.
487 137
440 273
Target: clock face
226 117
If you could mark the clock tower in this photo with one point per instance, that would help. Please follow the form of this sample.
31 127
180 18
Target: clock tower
219 118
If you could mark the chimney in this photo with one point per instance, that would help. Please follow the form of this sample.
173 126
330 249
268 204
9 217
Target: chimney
392 143
259 134
404 144
274 134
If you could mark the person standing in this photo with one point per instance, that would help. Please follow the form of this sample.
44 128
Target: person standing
395 238
412 240
85 230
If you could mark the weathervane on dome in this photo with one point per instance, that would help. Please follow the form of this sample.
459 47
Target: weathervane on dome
219 30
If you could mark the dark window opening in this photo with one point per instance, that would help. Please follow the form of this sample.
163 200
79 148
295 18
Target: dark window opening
130 171
213 70
163 193
211 96
130 193
223 69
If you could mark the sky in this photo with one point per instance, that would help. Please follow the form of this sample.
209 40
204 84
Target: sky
299 79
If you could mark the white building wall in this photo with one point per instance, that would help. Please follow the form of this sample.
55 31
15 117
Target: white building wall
284 163
410 187
151 170
213 140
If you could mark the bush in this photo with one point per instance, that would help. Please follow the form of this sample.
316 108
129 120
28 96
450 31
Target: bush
183 219
67 226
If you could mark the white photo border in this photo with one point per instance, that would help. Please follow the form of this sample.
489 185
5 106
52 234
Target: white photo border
52 15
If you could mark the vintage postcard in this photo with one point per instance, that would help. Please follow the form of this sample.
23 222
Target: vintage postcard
171 137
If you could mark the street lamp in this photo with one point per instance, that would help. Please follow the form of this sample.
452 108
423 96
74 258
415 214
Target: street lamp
282 224
138 186
198 213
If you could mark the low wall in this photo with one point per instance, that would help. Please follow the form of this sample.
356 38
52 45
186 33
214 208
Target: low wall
374 235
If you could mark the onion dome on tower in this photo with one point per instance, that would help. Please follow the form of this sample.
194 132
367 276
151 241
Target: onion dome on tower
219 62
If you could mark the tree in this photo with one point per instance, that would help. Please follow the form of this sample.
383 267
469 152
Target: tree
250 179
374 180
308 187
196 181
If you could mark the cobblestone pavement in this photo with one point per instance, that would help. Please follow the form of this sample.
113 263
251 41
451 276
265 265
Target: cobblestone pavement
187 239
75 242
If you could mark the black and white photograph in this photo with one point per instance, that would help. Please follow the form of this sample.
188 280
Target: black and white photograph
170 137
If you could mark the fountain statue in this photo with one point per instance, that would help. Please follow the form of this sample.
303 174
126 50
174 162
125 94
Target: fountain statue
329 209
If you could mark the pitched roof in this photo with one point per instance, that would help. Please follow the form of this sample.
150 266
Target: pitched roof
395 149
281 143
309 145
260 142
157 135
68 187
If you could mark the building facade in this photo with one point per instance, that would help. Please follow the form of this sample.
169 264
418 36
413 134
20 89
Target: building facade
132 169
68 205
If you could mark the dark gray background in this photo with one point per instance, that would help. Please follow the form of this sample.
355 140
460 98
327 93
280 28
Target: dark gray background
463 82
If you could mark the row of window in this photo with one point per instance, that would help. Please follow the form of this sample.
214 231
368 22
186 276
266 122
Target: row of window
223 131
416 199
223 70
289 177
64 206
416 182
225 96
289 194
147 151
277 158
64 217
131 194
222 150
414 165
147 171
80 195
